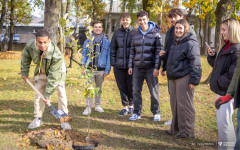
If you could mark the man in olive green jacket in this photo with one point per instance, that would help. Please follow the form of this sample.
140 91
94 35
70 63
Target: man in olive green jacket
49 74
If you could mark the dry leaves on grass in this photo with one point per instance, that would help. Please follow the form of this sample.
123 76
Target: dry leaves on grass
10 55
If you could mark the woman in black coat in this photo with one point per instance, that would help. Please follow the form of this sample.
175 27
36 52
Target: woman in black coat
184 73
224 64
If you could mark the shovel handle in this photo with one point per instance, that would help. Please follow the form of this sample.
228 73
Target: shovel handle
36 90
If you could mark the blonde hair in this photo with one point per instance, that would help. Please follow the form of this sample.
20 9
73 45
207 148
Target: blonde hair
233 31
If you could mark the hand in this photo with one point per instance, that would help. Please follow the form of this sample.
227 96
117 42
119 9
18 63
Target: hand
155 72
130 71
25 78
46 100
211 52
105 74
192 86
162 52
163 72
222 100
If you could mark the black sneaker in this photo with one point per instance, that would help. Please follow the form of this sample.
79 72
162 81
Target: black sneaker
130 111
123 112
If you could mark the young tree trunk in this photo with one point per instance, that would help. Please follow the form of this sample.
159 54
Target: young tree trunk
51 18
10 47
223 11
109 20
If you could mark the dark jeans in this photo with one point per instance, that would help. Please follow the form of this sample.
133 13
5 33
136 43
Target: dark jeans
124 83
138 77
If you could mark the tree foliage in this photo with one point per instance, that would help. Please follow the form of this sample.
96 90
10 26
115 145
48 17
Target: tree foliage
95 6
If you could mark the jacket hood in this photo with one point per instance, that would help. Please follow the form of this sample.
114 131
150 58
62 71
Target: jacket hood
186 37
151 25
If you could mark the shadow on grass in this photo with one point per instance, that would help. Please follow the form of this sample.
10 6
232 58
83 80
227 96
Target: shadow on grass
116 132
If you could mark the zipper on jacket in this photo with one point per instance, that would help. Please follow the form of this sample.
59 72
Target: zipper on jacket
142 51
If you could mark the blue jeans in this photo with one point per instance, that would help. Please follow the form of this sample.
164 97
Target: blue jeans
138 78
237 145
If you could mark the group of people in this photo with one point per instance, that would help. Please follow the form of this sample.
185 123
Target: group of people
137 55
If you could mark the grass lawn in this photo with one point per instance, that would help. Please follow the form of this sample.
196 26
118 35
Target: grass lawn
113 132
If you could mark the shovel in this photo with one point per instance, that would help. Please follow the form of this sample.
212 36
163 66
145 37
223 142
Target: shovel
59 114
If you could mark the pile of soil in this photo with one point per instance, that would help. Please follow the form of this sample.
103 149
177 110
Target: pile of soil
59 139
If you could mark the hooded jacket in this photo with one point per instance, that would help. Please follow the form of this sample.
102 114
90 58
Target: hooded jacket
223 65
183 58
120 47
54 64
145 48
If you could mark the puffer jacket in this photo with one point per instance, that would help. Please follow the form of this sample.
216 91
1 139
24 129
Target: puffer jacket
223 65
145 49
234 87
169 40
120 47
104 57
54 64
184 58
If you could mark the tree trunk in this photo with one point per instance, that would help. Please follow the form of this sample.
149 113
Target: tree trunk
206 34
200 35
3 14
61 31
11 26
145 6
5 41
93 11
124 6
3 18
109 19
68 7
51 18
77 22
222 12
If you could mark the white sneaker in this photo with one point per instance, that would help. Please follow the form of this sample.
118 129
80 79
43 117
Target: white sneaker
65 125
99 109
156 117
37 122
168 123
87 111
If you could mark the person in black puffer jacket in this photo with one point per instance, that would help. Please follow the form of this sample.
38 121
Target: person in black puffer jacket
224 64
144 63
120 49
184 73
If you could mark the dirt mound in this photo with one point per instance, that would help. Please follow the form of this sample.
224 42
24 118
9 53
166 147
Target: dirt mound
58 139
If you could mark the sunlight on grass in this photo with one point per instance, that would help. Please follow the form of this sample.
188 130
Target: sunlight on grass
16 112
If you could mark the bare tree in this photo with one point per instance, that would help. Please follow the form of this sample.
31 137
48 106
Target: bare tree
51 18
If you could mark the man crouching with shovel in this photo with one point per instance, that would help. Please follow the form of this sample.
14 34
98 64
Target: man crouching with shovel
49 74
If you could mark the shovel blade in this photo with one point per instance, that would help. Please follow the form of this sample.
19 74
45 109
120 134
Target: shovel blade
58 113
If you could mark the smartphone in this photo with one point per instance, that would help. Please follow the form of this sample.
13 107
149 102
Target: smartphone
208 46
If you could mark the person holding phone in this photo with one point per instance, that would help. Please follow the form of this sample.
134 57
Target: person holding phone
224 64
